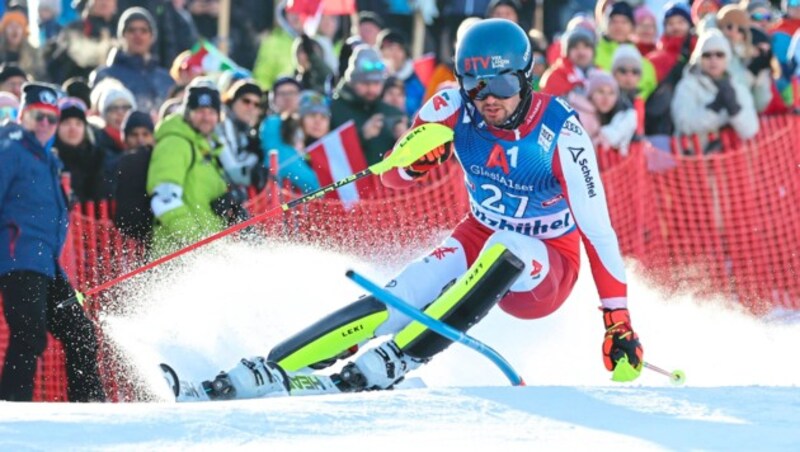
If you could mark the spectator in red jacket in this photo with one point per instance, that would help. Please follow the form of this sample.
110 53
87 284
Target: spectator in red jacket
570 71
677 42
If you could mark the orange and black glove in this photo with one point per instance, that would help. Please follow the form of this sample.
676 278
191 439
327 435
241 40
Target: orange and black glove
430 160
620 339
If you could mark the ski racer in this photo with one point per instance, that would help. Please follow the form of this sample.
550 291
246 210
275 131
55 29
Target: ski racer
535 190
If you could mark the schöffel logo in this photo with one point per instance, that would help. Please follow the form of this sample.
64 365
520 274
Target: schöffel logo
576 153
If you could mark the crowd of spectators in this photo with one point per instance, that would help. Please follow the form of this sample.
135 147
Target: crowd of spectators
149 115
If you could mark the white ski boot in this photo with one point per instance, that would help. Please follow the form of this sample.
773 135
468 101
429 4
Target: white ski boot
251 378
379 368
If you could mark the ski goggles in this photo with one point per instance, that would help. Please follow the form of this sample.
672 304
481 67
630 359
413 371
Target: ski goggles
71 102
9 113
501 86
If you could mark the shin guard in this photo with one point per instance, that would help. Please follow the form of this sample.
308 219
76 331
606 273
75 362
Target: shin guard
465 303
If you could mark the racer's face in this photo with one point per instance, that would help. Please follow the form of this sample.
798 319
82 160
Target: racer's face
496 111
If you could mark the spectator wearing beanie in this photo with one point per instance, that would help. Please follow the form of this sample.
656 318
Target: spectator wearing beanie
675 45
137 131
734 22
49 27
368 27
293 134
358 97
14 45
569 73
32 281
645 33
83 45
185 178
707 98
132 63
285 96
627 71
77 87
112 102
613 121
618 29
238 130
394 49
75 146
12 77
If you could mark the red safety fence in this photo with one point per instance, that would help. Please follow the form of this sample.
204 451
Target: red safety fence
716 215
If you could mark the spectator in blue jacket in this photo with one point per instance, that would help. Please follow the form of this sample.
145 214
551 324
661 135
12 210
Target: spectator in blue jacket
394 50
33 227
133 65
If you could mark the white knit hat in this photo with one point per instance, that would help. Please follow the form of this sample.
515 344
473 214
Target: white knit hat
626 55
107 92
711 40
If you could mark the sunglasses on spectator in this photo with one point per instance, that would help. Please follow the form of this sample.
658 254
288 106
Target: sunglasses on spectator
719 55
249 101
758 17
629 70
40 116
501 86
733 27
116 108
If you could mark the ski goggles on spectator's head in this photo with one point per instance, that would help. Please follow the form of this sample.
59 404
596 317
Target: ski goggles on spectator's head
501 86
760 17
71 102
9 113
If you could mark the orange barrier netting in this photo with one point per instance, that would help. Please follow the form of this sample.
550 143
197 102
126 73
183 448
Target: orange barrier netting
725 223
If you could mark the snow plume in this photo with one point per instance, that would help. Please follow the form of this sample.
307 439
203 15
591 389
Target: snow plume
205 312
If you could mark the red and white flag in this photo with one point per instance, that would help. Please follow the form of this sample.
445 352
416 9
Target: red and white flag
336 156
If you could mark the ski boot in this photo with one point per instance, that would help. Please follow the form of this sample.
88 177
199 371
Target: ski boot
379 368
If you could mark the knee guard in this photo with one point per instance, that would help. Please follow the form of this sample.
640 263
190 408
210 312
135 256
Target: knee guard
334 337
465 303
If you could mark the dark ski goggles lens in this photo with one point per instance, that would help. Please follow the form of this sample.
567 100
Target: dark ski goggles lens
501 86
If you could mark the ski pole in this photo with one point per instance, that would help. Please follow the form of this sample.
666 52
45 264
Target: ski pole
386 297
676 377
411 147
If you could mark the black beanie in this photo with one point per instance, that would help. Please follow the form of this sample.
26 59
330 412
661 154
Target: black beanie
621 9
242 87
77 87
11 70
136 119
201 96
72 111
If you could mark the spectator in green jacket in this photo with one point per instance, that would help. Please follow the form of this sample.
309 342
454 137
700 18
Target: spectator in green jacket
358 97
185 177
273 58
618 29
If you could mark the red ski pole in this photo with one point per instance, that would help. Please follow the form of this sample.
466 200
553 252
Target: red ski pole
416 143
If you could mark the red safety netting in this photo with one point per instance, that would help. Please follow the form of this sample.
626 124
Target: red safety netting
719 222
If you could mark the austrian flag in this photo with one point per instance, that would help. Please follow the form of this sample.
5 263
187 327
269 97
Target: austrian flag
336 156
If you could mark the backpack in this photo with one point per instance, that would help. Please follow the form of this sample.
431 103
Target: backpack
133 215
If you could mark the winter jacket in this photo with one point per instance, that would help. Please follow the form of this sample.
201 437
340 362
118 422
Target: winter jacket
782 33
187 159
292 165
562 78
346 106
241 149
28 58
272 61
465 8
33 208
109 141
618 129
760 85
148 81
84 163
670 51
81 47
604 57
690 112
415 90
176 33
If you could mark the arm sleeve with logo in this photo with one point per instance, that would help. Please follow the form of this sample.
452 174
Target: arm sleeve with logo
575 166
443 108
